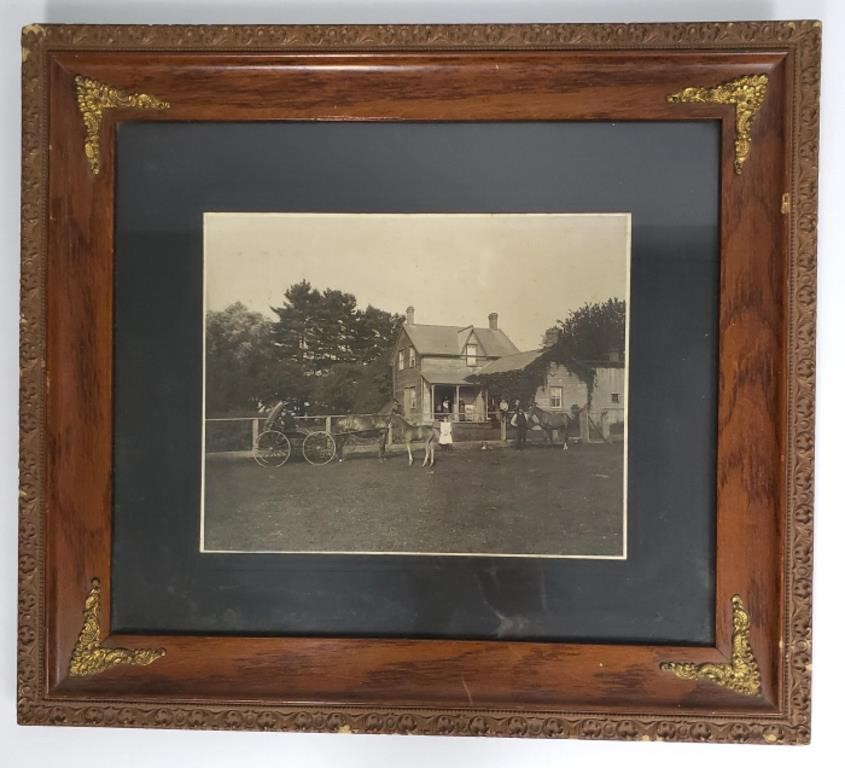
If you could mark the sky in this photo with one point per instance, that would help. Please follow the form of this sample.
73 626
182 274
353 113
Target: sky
455 269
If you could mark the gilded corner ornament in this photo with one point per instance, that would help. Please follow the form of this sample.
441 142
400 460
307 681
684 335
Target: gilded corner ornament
745 93
89 657
741 674
92 98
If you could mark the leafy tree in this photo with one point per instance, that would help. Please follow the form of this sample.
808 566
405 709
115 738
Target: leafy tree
375 332
291 385
520 384
242 364
321 350
592 332
375 388
334 391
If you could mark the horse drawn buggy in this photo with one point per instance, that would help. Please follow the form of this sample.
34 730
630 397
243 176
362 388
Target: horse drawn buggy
282 434
275 444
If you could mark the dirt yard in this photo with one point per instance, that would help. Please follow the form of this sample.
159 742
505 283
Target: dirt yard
540 500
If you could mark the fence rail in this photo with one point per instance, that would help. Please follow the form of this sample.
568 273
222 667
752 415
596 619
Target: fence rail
240 433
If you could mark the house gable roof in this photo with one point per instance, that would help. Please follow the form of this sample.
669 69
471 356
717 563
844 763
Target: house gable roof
495 343
464 335
522 360
450 339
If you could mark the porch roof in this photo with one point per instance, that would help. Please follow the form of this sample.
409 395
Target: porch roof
515 362
446 377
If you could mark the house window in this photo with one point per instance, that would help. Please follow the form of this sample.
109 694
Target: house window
401 359
556 396
410 399
412 358
472 354
614 398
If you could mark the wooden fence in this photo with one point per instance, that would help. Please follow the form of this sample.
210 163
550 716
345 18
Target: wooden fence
240 433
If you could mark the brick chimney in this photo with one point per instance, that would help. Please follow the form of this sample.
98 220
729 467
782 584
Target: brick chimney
493 319
409 316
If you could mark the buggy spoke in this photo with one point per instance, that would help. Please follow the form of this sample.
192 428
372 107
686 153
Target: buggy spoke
318 448
272 449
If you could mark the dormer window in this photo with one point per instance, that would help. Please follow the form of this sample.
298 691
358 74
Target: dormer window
412 358
472 354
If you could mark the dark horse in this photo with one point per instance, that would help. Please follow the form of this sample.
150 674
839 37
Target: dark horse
549 422
372 426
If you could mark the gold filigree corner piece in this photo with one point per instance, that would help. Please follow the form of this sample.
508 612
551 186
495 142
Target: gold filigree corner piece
92 98
89 657
745 94
33 30
742 673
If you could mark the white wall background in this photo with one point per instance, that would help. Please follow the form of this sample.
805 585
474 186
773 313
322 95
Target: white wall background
66 747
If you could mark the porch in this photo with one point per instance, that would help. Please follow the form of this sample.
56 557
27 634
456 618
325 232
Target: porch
455 400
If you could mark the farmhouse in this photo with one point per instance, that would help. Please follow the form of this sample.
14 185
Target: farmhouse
431 364
593 388
449 371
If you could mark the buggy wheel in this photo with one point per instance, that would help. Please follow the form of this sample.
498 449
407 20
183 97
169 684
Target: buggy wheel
272 449
318 448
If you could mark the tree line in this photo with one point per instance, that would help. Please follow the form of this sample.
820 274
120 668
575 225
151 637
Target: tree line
322 353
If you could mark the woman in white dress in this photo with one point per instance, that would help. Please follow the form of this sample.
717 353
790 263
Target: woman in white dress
446 433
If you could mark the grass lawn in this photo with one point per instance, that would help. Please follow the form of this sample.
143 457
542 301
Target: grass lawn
538 501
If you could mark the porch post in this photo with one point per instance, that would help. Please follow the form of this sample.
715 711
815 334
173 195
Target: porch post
456 408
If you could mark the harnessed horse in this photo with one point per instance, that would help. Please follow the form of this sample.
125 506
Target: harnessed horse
548 422
372 426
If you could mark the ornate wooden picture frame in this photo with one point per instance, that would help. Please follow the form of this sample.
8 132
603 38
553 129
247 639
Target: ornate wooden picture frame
758 80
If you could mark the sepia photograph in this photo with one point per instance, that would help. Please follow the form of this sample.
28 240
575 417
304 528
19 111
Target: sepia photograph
427 384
